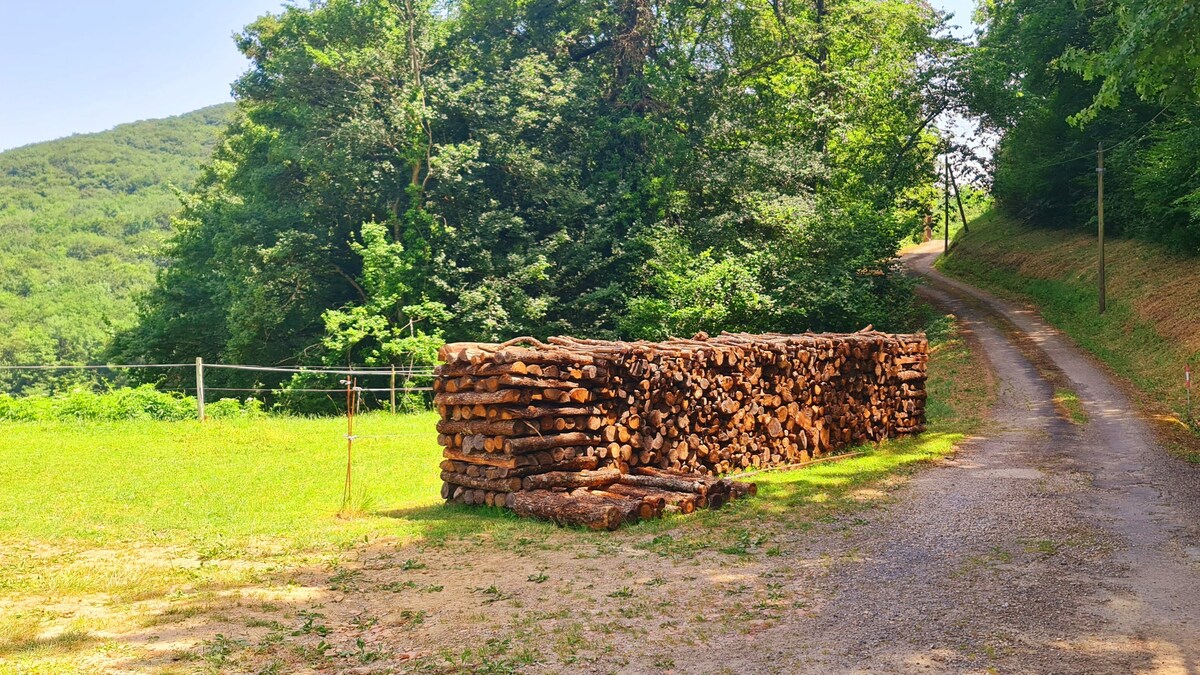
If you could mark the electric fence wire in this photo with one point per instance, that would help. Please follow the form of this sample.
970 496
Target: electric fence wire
399 372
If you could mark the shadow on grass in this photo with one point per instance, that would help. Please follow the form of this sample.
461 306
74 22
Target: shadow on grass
439 523
63 643
824 487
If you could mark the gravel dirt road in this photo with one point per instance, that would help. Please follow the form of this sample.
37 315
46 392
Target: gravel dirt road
1045 546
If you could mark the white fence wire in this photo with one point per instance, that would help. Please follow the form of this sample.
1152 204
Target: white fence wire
394 373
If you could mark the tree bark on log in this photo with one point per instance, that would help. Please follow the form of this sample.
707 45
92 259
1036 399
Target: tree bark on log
566 509
497 485
571 479
673 484
517 446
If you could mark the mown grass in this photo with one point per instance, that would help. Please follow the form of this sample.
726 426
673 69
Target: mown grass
221 483
1150 329
183 517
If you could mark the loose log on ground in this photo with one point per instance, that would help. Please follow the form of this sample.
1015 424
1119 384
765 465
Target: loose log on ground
566 508
684 501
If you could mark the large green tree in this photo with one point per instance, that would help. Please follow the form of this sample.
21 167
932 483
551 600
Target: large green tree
1056 78
609 167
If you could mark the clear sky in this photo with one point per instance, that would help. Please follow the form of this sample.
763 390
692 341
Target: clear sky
962 10
76 66
72 66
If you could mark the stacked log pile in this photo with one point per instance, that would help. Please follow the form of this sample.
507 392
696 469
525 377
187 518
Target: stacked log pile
598 433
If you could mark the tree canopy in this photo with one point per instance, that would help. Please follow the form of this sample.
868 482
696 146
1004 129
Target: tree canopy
1056 78
482 169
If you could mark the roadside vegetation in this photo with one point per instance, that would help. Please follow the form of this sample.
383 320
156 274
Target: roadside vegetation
1056 79
224 534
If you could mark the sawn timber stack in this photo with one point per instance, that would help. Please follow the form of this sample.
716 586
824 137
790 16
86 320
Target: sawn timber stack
599 433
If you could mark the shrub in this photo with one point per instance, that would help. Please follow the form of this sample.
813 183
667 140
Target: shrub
139 403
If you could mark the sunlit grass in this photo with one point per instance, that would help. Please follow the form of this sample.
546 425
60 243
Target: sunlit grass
212 486
1069 402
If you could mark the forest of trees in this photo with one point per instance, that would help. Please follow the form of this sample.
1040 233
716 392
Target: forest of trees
82 221
400 172
1054 78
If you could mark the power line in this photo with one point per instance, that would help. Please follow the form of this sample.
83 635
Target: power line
289 389
1092 153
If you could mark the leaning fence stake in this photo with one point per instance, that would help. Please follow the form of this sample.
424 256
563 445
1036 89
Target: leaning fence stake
1187 384
200 388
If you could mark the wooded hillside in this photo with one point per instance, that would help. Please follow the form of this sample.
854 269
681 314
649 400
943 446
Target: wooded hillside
82 220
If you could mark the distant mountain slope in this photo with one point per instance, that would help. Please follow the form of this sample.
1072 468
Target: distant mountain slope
81 220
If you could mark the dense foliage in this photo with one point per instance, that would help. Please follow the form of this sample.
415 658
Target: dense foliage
400 173
1058 77
137 403
81 222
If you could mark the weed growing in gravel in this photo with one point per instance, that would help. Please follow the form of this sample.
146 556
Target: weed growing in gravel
1069 402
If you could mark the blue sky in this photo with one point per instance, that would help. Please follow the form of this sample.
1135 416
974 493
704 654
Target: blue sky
71 66
74 66
962 9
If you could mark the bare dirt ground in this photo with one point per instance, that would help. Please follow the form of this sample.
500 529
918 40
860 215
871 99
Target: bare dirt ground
1043 546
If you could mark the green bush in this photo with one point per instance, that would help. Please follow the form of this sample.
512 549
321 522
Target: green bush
140 403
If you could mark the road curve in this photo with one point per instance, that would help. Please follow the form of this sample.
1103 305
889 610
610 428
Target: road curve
1122 515
1042 546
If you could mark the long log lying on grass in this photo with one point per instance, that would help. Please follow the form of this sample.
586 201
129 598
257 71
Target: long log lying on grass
566 509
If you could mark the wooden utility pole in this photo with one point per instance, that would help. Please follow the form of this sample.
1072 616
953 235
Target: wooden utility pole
946 243
957 197
1100 214
200 388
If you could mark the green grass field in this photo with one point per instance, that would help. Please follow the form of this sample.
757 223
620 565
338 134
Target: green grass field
223 482
109 530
